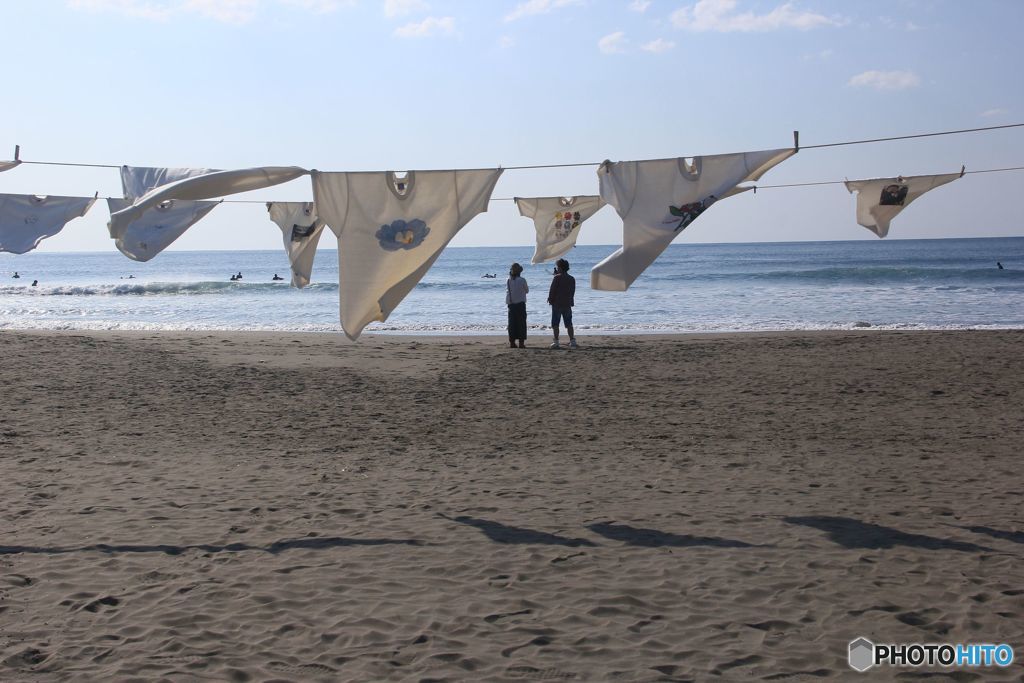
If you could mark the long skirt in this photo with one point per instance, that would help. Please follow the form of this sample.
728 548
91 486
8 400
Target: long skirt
517 321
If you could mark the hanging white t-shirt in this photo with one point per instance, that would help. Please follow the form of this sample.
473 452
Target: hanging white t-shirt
138 180
658 199
207 186
557 221
391 231
8 165
156 229
880 199
28 219
301 230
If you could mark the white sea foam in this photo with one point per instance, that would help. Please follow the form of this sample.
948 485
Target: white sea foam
930 284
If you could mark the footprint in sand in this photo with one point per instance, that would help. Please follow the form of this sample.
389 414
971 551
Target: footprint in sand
18 580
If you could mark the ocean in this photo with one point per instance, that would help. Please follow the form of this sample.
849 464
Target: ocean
891 284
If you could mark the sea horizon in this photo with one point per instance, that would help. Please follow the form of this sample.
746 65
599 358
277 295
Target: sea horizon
940 283
325 245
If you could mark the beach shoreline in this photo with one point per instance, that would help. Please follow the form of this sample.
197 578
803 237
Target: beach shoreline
296 506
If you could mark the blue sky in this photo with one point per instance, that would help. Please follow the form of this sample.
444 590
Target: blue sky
418 84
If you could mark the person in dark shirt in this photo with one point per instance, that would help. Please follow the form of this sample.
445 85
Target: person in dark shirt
560 296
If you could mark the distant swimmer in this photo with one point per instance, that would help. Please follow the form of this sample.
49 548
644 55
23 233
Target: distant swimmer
234 277
276 277
489 276
997 263
15 276
239 276
35 282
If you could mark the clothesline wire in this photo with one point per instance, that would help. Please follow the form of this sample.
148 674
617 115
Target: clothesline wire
598 163
824 182
996 170
908 137
759 187
840 182
67 163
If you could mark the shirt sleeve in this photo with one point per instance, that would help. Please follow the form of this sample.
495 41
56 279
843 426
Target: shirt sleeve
473 190
527 207
618 184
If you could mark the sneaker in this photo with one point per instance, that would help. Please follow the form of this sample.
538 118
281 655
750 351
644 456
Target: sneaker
555 345
572 344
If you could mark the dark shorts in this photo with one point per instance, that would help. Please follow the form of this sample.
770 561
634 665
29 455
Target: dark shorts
565 314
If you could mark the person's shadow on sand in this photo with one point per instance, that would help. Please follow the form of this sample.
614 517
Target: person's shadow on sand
1013 536
852 533
501 533
652 538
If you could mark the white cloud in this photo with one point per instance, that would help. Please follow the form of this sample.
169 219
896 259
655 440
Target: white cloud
400 8
990 113
319 6
612 43
129 8
428 28
886 80
506 42
721 15
640 5
823 55
531 7
226 11
897 25
658 45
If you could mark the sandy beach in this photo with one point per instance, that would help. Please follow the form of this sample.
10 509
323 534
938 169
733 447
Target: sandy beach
296 507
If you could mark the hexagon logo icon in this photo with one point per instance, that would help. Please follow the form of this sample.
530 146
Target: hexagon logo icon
862 654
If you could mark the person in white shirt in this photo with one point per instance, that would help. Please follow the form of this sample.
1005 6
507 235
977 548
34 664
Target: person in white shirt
515 297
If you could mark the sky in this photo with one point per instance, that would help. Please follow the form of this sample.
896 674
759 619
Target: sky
371 85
